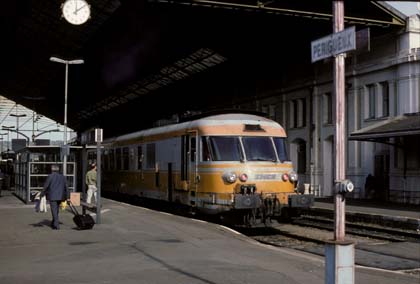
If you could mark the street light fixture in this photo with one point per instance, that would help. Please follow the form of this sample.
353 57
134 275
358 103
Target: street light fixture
17 122
66 62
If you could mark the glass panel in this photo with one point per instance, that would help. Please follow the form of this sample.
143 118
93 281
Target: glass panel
70 182
281 148
70 169
225 148
259 149
38 181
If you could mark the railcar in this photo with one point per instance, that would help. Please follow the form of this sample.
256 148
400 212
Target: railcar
232 165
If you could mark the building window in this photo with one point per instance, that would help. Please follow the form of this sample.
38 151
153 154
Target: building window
297 113
328 113
294 113
371 101
385 99
301 113
301 157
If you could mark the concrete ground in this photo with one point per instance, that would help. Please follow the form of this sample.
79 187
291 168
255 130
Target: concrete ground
137 245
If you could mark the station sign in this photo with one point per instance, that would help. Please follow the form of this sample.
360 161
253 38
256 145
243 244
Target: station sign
334 44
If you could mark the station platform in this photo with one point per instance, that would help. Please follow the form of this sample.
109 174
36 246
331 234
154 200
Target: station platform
138 245
385 214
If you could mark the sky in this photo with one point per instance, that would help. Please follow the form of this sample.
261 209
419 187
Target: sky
407 8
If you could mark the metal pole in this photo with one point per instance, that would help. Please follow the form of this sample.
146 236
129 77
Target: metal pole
33 126
98 182
340 174
339 254
65 123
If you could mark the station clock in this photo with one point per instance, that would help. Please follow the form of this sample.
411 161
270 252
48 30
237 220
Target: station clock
76 12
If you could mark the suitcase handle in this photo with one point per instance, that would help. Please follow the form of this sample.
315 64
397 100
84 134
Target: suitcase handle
72 208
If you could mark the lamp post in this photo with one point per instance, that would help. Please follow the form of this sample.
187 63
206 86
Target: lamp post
66 62
17 122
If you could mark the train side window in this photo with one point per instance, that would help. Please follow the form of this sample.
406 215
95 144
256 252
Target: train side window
139 157
193 149
150 156
111 159
205 150
125 158
118 158
185 148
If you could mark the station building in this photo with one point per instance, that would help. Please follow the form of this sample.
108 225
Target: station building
382 113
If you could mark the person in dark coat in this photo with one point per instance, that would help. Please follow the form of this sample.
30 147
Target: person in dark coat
56 190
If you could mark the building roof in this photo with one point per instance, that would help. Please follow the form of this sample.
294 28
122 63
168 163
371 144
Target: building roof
156 55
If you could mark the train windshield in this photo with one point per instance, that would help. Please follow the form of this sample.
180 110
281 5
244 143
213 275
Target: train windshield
225 148
259 149
281 148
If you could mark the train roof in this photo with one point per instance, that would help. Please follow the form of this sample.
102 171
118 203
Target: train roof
211 120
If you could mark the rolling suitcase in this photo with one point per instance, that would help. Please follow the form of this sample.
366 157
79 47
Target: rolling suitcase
82 221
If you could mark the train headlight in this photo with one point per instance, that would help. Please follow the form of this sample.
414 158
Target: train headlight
293 176
285 177
243 177
229 177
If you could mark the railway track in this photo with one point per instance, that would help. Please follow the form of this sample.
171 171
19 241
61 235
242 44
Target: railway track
378 247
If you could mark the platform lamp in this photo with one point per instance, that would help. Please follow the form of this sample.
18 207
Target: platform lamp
17 122
8 130
66 62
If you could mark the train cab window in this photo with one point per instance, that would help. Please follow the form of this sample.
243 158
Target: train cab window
281 148
139 157
259 149
205 150
150 156
225 148
125 158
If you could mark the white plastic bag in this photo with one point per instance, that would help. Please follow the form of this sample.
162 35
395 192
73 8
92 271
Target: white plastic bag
43 204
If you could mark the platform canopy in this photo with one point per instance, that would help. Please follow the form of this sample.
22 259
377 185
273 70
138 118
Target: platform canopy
399 126
147 60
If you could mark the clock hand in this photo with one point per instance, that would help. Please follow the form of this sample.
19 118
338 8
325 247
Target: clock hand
77 10
75 6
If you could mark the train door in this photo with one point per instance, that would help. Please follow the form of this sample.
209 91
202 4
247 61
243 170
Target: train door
189 164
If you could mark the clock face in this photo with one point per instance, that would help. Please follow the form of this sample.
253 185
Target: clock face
76 12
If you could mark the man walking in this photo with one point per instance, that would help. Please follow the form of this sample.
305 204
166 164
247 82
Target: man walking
56 190
91 183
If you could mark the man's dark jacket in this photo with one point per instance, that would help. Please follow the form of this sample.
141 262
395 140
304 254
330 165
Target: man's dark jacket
55 187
